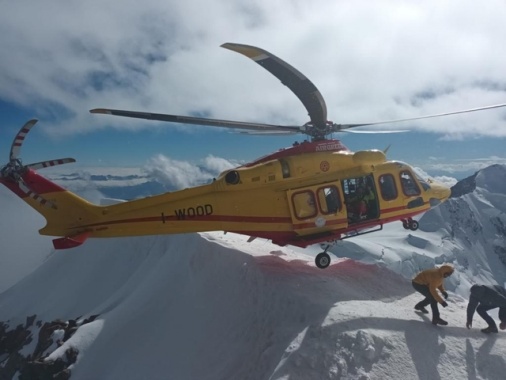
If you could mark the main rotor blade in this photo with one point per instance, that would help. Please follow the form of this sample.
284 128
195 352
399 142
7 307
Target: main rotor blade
339 127
270 133
49 163
19 138
301 86
197 120
374 132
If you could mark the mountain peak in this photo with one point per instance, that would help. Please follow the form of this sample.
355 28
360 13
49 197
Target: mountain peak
491 178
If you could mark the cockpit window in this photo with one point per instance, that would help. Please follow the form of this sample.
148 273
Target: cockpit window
423 182
387 187
409 186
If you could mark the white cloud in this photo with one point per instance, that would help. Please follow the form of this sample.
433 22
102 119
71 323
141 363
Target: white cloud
471 165
217 165
183 174
180 174
371 61
446 180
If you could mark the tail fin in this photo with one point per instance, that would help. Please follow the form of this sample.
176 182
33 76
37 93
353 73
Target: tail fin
63 210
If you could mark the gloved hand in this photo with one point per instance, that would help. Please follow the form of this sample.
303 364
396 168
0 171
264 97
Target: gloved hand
445 295
469 325
444 304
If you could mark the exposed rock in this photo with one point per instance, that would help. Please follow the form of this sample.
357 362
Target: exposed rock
491 178
35 366
465 186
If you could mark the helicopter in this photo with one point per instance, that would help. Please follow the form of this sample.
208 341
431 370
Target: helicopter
314 192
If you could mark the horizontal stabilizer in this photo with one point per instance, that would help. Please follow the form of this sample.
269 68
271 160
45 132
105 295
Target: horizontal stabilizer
70 241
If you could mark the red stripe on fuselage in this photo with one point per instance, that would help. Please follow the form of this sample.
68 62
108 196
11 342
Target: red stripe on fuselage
244 219
206 218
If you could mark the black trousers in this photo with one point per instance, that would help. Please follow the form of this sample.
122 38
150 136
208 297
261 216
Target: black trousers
482 312
429 299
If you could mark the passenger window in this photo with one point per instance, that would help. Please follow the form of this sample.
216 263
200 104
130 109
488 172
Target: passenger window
409 186
304 204
328 198
387 187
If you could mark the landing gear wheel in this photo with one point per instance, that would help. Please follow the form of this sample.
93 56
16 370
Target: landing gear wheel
405 224
322 260
413 225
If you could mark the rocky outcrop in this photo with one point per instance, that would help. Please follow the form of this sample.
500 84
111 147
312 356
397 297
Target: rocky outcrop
465 186
15 342
491 178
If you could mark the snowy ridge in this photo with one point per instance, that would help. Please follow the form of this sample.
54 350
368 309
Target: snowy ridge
212 306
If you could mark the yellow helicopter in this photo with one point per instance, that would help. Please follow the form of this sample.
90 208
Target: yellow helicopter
315 191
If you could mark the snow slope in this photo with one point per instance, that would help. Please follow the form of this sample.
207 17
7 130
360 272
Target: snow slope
22 249
212 306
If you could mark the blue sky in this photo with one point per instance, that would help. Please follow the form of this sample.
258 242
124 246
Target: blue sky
371 61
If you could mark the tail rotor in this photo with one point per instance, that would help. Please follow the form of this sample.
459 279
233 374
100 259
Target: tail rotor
14 170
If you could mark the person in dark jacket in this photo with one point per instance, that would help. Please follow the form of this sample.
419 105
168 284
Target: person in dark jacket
484 298
428 282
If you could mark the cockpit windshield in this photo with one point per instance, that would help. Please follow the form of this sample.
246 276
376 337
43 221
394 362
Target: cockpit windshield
423 182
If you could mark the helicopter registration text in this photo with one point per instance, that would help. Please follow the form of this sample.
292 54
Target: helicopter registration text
192 212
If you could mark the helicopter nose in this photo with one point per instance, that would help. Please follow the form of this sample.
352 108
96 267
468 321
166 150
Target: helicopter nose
439 194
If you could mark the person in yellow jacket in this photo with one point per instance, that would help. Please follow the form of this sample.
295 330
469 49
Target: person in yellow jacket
428 282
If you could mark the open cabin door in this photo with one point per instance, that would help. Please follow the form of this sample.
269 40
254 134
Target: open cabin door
317 209
361 199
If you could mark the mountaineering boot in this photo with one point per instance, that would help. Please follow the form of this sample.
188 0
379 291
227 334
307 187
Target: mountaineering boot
422 309
489 329
439 321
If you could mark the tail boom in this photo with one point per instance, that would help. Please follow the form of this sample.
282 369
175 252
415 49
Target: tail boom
69 211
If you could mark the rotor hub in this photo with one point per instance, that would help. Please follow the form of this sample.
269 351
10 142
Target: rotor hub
318 131
13 170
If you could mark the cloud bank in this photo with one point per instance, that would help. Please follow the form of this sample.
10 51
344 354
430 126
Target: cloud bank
371 61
